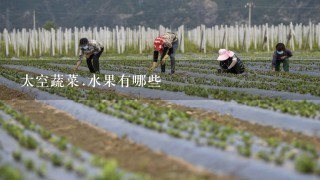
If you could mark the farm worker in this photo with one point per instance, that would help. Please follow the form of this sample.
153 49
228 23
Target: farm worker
229 62
281 55
92 49
165 45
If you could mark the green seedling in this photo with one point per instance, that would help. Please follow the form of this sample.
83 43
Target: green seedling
291 155
109 171
29 164
222 145
244 150
56 160
232 141
264 156
16 155
62 144
97 161
279 160
42 171
247 139
272 142
28 142
75 152
69 165
305 164
80 170
284 150
43 154
7 172
44 134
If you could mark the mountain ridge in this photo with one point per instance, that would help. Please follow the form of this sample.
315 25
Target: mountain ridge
152 13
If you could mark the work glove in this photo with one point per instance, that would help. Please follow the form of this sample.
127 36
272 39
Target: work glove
153 66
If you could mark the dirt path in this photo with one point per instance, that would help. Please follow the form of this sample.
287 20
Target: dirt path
130 156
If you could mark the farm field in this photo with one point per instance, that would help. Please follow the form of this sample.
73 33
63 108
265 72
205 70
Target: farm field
195 124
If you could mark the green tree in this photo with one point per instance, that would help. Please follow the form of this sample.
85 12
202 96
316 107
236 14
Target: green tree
48 25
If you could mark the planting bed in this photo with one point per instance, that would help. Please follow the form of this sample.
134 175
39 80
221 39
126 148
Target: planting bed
40 154
206 125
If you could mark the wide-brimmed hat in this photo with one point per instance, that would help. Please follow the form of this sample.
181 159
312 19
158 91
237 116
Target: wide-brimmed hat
224 54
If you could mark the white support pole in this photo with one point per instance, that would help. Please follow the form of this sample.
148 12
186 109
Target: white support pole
249 6
6 41
76 40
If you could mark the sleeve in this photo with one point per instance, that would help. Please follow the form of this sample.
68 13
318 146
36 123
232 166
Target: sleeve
168 44
165 51
169 39
289 53
155 56
223 65
81 56
274 59
234 62
96 48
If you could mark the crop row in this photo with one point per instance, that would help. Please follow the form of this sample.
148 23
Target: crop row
302 108
210 74
180 124
252 76
252 80
207 69
211 65
9 172
249 81
19 129
240 81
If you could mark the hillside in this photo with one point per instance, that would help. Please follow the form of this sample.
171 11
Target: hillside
153 12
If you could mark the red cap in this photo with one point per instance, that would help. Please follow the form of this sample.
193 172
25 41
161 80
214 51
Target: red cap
158 43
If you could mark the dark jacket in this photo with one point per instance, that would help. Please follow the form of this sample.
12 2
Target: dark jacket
277 57
236 69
